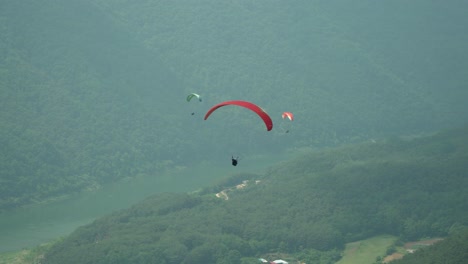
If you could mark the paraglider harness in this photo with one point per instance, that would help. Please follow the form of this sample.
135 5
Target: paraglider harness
234 160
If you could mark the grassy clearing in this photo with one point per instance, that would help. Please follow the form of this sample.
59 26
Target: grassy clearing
366 251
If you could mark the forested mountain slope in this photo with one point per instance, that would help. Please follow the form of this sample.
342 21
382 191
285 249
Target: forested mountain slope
306 208
349 69
94 91
77 101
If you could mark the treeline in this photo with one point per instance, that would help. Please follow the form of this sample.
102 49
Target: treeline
305 209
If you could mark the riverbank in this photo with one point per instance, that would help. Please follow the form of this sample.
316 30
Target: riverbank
32 225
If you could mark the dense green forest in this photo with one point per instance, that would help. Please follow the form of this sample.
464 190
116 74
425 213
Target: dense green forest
305 209
93 91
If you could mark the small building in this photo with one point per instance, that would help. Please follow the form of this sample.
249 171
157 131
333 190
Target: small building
279 261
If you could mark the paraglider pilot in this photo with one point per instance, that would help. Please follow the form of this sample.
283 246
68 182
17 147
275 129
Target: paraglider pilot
234 160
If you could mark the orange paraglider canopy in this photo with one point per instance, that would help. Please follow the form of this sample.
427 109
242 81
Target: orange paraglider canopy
288 115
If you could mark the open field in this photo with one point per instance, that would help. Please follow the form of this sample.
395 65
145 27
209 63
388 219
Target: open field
410 247
366 251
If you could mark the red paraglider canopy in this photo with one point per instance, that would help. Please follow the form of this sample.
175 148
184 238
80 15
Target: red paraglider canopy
258 110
